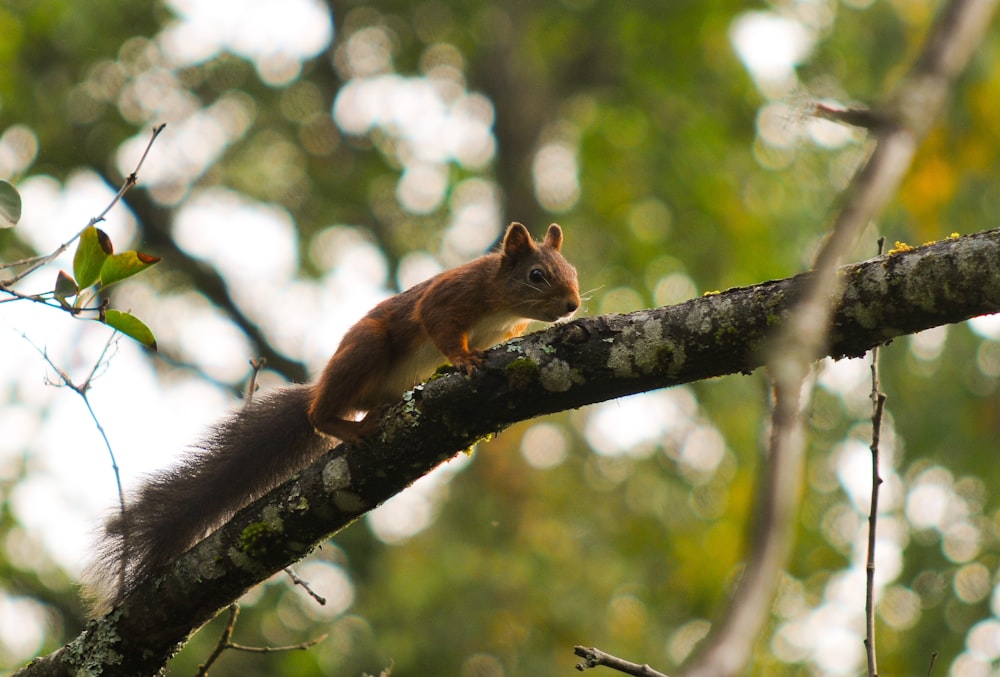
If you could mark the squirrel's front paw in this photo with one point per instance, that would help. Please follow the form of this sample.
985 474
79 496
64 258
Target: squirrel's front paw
469 363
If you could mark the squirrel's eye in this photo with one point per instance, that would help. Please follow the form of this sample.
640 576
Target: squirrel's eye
536 276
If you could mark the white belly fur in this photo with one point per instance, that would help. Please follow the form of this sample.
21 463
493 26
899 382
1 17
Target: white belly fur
426 358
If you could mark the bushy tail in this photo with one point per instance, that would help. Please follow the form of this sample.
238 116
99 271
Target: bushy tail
240 460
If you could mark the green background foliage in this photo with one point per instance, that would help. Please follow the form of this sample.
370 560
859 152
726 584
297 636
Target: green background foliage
685 175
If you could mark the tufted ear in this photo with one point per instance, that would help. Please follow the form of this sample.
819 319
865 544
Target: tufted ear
517 241
553 238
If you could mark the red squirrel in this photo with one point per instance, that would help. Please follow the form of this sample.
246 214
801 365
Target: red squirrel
453 316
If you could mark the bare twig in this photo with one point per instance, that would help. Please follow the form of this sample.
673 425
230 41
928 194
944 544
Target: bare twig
256 364
297 580
909 114
82 389
878 406
930 666
594 657
302 646
37 262
225 642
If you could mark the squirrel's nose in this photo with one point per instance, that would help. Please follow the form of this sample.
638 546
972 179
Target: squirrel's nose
572 305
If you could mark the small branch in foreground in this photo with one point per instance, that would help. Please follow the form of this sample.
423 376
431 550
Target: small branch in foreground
594 657
777 496
878 406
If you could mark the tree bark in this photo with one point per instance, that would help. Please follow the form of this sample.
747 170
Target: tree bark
582 362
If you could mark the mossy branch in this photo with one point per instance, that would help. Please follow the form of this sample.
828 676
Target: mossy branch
582 362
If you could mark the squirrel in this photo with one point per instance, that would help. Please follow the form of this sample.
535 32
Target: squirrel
454 315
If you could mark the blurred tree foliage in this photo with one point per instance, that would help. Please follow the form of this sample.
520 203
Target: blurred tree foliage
675 168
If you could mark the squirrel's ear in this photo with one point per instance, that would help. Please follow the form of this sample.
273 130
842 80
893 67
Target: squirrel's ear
553 238
517 241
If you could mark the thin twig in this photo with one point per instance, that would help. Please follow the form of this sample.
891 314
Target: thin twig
225 642
82 389
297 580
45 299
878 406
255 365
38 262
594 657
930 666
302 646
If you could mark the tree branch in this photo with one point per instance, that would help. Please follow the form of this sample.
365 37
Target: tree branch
586 361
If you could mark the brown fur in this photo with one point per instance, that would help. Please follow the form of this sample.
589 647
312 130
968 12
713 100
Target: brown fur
454 315
459 313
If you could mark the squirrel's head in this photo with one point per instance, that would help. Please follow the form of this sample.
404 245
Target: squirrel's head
540 279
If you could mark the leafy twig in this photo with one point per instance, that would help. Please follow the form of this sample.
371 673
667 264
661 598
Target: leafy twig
39 261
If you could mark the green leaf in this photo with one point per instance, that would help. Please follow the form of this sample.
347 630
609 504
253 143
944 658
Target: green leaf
10 205
92 250
117 267
65 287
131 326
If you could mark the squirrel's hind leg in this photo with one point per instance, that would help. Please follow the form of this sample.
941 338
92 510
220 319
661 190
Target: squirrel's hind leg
351 383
